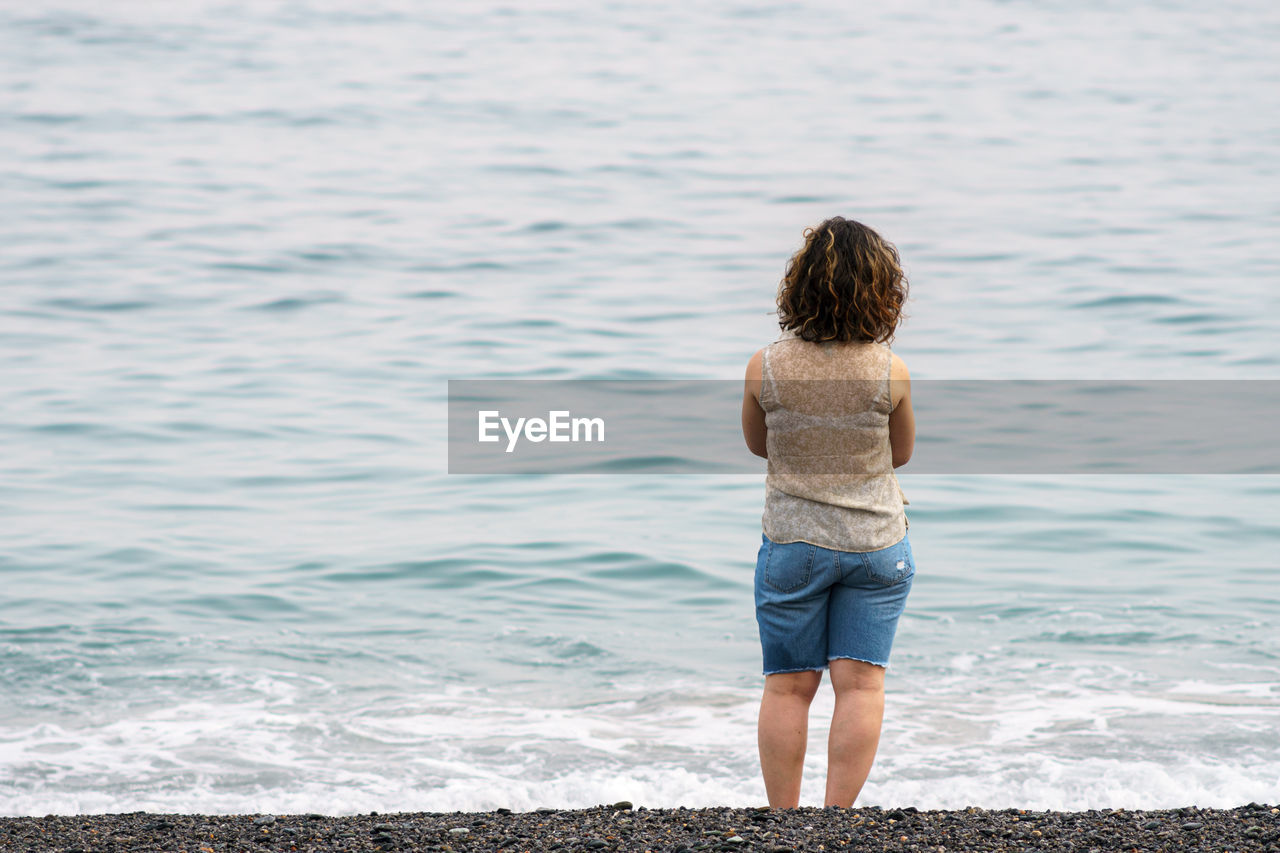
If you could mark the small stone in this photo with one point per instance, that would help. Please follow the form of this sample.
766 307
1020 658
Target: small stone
264 820
508 841
1152 824
1192 824
623 805
501 810
736 839
314 816
596 844
1253 832
545 810
459 830
383 827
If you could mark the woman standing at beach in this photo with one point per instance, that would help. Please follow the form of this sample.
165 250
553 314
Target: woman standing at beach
829 405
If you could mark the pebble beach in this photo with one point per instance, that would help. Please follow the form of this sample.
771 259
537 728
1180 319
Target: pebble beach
624 826
255 245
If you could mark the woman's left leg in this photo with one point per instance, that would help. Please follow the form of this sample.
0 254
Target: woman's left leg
783 733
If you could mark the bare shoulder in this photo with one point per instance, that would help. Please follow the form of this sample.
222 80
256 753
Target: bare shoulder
755 367
899 382
899 369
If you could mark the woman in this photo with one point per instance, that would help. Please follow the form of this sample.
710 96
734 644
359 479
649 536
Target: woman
829 405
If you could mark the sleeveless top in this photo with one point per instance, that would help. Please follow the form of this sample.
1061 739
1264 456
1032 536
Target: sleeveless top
830 477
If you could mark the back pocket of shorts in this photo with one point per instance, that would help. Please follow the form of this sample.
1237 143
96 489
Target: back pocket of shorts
891 565
788 567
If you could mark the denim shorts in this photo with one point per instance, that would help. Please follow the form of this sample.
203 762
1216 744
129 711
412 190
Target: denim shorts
814 604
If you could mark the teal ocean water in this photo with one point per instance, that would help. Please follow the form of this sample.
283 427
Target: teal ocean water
246 246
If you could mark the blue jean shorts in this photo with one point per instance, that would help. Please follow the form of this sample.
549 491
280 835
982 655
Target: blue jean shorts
814 604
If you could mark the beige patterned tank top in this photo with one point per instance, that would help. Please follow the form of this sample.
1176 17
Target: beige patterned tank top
831 480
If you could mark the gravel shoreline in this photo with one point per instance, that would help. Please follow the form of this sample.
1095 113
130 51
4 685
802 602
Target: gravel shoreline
622 827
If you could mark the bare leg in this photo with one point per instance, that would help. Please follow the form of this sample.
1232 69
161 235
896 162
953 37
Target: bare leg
784 732
855 728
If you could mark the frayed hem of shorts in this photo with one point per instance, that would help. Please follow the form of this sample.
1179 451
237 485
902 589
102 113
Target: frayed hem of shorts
822 668
884 665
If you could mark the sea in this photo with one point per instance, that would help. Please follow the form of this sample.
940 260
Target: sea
247 245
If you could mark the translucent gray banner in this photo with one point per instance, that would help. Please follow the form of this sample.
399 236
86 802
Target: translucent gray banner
518 426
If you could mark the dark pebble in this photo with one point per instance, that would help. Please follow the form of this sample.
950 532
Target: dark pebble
603 829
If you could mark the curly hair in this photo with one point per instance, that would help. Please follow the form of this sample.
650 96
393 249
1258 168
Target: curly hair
845 284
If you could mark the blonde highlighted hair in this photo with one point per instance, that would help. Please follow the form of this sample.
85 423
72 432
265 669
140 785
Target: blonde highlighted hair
845 284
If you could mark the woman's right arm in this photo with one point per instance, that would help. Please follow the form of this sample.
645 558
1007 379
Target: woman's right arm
902 420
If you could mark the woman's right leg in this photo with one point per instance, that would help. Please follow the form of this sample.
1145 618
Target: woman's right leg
855 728
862 621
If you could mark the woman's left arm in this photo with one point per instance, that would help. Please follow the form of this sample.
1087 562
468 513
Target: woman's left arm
753 426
